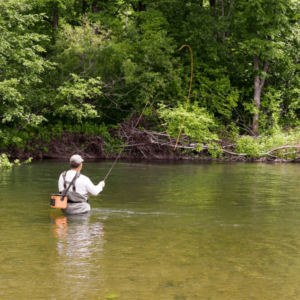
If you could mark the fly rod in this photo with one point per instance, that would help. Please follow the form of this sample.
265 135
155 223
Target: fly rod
119 155
187 104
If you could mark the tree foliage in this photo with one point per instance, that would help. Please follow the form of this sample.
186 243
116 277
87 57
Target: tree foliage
76 62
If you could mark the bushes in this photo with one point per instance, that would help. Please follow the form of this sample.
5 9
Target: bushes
198 125
14 138
268 144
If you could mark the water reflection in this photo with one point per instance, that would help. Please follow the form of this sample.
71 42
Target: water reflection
77 236
79 244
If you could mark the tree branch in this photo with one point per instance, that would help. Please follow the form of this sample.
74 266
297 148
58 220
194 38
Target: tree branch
133 6
231 4
48 20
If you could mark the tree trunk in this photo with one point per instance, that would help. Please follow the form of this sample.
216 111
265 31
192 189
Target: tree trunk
55 17
84 7
139 7
213 3
257 93
142 6
223 15
95 8
258 86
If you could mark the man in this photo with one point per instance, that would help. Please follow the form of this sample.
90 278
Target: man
78 196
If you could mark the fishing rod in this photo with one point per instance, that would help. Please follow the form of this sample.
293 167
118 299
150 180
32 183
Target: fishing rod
119 155
187 104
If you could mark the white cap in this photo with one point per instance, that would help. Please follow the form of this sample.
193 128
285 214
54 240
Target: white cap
76 159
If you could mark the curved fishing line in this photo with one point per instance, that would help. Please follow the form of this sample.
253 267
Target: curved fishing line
188 99
162 124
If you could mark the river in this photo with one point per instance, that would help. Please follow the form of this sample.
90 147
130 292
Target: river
175 230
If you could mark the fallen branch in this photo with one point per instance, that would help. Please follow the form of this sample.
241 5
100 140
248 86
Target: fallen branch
284 147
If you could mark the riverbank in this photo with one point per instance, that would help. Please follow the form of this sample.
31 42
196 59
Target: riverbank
138 143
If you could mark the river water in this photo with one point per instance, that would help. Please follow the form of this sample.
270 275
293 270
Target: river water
184 230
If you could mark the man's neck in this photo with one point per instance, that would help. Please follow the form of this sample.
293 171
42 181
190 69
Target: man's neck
76 170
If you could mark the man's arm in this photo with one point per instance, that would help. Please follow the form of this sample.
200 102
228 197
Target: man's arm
94 189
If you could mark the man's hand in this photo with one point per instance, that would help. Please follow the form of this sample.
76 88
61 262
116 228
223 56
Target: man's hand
103 184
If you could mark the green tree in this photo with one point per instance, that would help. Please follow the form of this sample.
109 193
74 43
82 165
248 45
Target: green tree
22 66
263 31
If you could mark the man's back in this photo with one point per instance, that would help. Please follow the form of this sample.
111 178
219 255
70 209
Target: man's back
78 193
83 184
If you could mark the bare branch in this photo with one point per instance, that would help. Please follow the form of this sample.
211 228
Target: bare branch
284 147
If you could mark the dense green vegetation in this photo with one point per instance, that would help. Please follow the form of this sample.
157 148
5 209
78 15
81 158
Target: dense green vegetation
69 65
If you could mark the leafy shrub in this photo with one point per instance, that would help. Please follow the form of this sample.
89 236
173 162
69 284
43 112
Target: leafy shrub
6 164
198 123
260 146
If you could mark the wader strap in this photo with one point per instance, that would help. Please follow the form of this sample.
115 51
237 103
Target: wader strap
74 186
64 178
72 183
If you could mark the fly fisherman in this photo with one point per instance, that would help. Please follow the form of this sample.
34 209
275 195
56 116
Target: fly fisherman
78 196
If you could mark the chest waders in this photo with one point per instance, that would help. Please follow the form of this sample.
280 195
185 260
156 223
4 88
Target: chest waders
66 196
